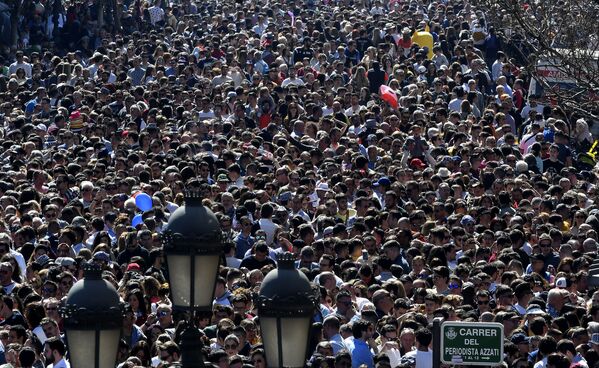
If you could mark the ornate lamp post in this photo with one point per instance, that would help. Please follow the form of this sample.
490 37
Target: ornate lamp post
286 304
192 248
93 318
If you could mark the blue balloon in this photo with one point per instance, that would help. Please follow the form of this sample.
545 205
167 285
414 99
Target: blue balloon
143 202
136 220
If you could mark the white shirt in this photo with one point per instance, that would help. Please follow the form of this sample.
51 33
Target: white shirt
292 81
520 309
39 332
206 115
496 69
541 364
60 364
269 228
233 262
20 261
8 288
527 141
424 359
393 354
351 111
12 69
455 105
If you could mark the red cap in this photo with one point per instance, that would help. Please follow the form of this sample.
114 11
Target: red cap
417 163
133 267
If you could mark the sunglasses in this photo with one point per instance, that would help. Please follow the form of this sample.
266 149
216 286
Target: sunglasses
483 302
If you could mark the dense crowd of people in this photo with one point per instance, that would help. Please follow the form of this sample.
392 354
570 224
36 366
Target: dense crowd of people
392 146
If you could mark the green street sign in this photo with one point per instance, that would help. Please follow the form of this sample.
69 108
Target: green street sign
472 343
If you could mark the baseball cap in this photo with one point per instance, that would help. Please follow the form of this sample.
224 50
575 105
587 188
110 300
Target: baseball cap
383 181
519 338
285 196
417 163
79 221
561 283
223 178
534 309
546 237
133 267
102 256
43 260
467 220
65 261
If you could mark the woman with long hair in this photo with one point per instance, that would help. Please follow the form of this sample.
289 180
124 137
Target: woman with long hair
17 274
359 79
142 351
136 299
293 113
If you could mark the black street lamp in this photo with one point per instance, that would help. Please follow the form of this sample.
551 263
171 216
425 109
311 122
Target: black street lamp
286 305
192 247
93 318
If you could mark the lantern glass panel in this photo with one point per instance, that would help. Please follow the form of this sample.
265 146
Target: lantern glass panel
206 268
82 347
294 339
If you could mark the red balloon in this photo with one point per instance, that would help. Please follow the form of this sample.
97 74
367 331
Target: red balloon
388 95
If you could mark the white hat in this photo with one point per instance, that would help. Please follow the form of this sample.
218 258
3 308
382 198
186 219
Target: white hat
322 186
432 132
444 172
561 283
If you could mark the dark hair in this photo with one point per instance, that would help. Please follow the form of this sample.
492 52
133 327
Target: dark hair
55 343
34 313
359 327
19 330
547 345
142 345
140 297
424 336
26 357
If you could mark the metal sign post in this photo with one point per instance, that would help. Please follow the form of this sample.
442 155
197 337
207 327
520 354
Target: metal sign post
437 342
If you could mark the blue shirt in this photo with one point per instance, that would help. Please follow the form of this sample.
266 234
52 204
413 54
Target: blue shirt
243 245
360 354
337 344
